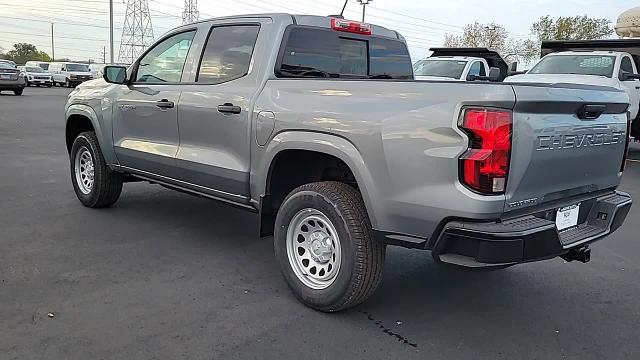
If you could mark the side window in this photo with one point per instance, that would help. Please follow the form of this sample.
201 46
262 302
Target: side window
165 62
227 54
476 68
483 71
626 66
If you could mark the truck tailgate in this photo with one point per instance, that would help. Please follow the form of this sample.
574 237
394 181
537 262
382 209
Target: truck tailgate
559 151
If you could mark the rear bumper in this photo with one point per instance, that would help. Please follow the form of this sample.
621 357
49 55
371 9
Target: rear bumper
12 84
527 238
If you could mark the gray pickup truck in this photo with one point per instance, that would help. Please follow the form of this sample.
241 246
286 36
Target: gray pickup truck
317 124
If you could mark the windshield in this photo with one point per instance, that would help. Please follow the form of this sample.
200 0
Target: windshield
576 64
33 69
440 68
44 66
77 67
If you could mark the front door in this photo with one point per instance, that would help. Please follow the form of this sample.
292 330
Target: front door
215 114
145 129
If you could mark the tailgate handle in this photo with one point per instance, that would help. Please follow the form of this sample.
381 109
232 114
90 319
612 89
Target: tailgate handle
591 112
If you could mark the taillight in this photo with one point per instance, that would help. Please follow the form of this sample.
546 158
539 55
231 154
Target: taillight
350 26
626 143
485 165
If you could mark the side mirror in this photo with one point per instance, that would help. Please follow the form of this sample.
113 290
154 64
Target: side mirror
494 74
115 74
513 68
627 76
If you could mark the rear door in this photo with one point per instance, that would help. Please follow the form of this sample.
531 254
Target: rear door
562 148
145 126
216 111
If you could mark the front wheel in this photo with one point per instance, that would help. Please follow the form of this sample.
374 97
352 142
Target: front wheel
95 184
18 92
67 83
325 246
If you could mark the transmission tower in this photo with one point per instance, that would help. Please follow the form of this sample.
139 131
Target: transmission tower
190 13
137 33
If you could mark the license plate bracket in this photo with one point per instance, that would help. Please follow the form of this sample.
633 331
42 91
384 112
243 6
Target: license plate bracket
567 217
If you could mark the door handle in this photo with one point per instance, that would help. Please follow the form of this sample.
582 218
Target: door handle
165 104
229 108
591 112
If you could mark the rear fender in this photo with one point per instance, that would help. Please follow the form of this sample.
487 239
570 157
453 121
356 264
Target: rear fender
323 143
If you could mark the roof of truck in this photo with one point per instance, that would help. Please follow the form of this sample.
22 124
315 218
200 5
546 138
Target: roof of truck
631 46
309 20
588 52
453 58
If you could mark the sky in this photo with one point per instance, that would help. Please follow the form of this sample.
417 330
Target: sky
81 26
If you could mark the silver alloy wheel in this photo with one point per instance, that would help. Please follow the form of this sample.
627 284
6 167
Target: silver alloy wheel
84 170
313 249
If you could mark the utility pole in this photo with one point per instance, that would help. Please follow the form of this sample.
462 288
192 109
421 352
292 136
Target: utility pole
110 31
104 54
364 4
53 49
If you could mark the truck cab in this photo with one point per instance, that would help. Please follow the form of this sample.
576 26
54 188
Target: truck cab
462 64
456 68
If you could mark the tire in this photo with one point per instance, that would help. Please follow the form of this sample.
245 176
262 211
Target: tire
18 92
106 185
67 83
336 209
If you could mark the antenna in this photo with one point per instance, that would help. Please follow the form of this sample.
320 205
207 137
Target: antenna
190 13
137 32
344 7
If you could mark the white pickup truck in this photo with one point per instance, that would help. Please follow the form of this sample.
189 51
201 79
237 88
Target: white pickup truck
461 64
456 68
611 63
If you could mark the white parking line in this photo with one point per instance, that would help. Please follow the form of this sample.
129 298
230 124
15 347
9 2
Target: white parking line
633 160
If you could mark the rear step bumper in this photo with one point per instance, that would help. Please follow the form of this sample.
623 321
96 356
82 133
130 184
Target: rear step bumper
528 238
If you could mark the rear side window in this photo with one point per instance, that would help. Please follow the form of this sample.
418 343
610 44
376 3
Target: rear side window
228 53
626 66
318 53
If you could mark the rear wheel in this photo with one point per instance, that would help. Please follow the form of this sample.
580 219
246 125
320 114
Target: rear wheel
95 184
325 246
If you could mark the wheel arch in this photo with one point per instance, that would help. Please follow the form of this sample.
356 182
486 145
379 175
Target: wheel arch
289 148
80 118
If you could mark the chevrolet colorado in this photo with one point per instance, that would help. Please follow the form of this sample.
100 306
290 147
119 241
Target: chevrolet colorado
316 124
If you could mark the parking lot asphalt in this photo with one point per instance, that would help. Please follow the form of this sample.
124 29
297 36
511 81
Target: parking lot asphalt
164 275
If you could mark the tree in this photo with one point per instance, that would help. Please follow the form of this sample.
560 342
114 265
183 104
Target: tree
571 28
23 52
495 37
